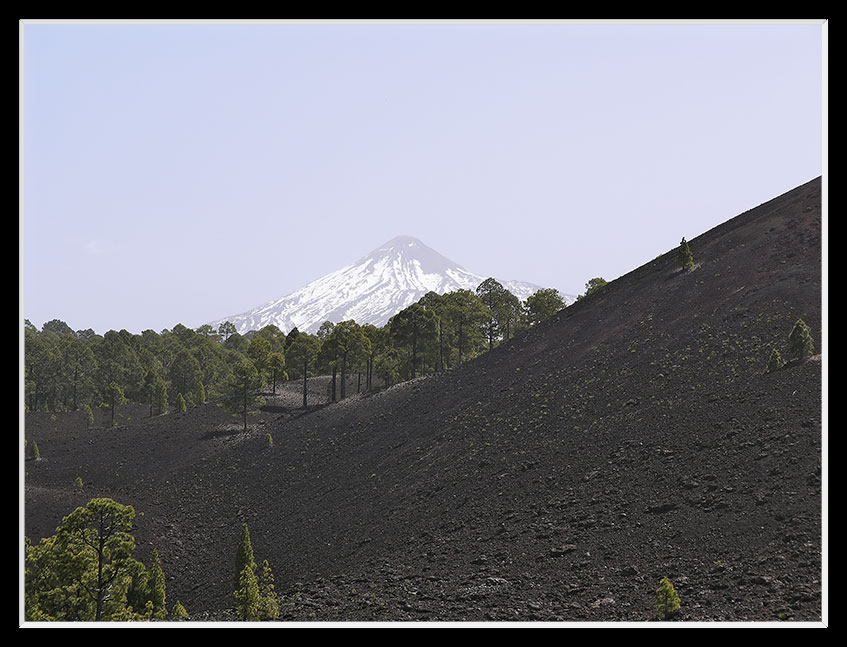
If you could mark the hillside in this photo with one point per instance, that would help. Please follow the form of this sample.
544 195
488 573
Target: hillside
636 435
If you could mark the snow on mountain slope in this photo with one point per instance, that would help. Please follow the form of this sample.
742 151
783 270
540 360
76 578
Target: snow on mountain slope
371 290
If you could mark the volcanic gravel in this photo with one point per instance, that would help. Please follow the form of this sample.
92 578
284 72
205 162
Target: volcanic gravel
634 436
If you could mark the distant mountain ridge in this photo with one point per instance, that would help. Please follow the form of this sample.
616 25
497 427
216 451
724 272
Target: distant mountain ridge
370 290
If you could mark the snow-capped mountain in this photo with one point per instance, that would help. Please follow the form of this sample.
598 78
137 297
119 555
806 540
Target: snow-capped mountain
371 290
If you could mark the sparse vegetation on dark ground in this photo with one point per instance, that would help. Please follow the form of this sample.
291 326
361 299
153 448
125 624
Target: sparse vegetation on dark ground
635 436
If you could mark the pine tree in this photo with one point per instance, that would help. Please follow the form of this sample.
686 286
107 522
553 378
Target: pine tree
34 454
244 555
160 396
802 344
89 415
246 596
240 390
775 362
667 599
116 397
276 364
86 570
157 587
178 612
180 403
268 601
684 255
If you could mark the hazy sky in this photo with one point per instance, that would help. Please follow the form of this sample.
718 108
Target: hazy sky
179 173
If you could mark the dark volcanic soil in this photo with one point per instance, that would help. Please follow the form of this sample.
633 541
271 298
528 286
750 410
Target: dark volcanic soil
558 478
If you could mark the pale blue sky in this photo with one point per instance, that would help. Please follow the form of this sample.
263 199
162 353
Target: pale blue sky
179 173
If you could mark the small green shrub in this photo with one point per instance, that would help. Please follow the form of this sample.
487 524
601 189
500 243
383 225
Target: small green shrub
802 344
775 362
89 414
269 441
33 451
180 403
78 483
667 599
178 612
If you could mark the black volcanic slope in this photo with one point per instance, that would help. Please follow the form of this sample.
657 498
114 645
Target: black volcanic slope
559 477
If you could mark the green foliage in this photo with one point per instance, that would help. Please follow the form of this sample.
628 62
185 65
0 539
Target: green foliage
492 294
239 396
269 440
89 414
667 599
802 344
349 345
247 600
185 371
244 555
226 329
276 365
158 592
775 361
542 305
301 354
415 329
78 485
115 397
268 600
86 570
684 256
178 612
201 393
34 453
160 396
255 596
180 403
462 320
593 285
325 330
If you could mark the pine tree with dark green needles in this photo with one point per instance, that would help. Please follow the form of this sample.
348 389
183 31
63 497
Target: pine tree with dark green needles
86 572
116 397
240 395
802 344
34 454
180 403
160 396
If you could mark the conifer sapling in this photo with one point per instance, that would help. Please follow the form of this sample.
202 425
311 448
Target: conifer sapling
684 255
667 599
802 344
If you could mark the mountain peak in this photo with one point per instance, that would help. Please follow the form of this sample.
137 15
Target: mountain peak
371 290
402 241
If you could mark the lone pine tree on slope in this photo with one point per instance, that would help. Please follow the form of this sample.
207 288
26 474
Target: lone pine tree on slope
684 255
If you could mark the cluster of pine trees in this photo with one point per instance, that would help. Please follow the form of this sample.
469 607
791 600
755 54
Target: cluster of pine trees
87 572
174 369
